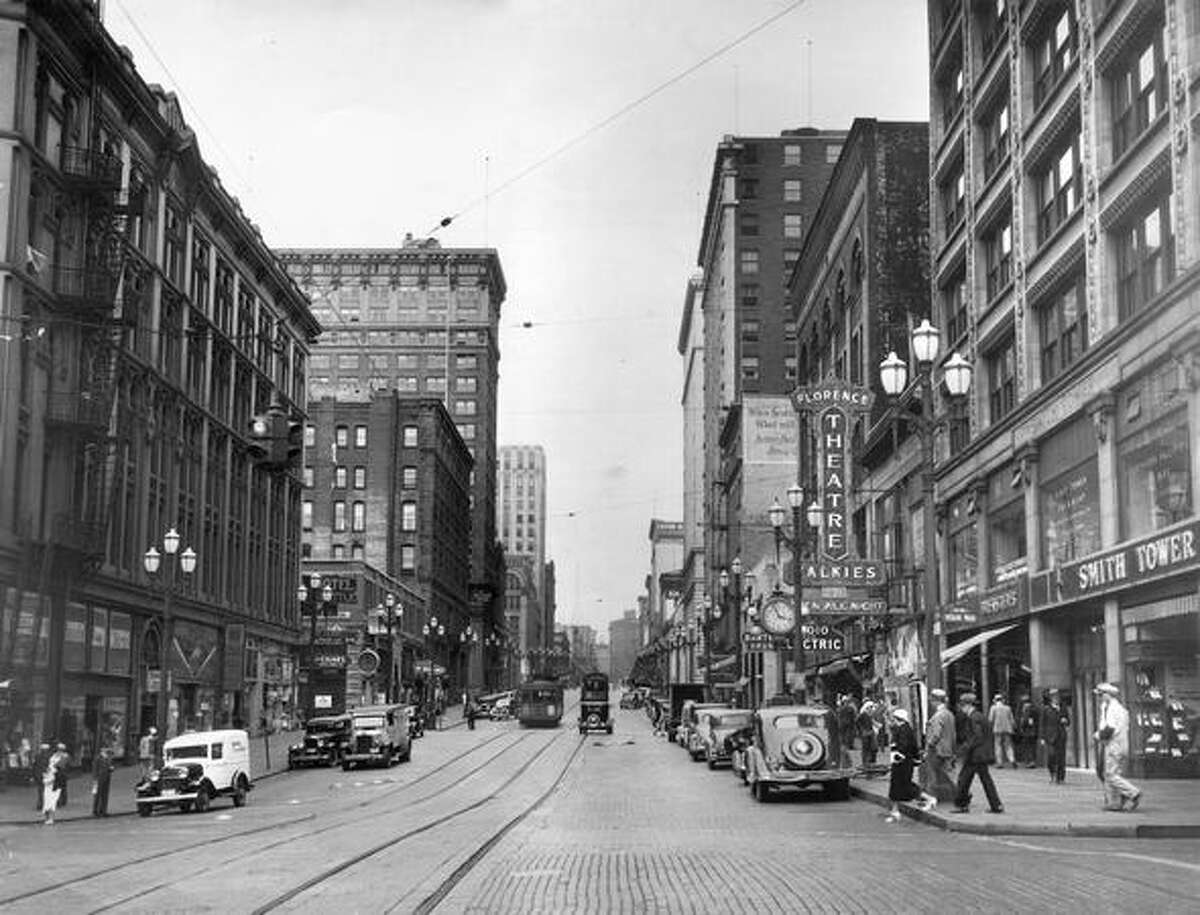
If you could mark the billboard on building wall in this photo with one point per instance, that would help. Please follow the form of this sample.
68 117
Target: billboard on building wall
770 433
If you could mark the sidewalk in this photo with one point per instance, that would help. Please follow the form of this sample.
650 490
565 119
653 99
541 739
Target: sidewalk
16 801
1170 808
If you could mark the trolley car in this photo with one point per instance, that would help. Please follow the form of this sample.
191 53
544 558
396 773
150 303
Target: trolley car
593 704
539 704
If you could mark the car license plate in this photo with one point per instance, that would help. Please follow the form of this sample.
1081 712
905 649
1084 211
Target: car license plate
168 792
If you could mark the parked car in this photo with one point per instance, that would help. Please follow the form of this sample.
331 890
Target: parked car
325 740
502 708
379 736
715 726
677 695
687 735
796 746
197 767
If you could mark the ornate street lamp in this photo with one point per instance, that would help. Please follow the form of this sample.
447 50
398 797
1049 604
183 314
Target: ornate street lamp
152 561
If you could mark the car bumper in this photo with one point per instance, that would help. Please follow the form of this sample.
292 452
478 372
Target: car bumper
322 759
380 755
800 777
167 800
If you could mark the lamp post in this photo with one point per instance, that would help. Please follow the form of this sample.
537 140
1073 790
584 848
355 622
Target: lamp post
725 578
321 597
712 615
390 612
893 375
797 541
186 563
468 638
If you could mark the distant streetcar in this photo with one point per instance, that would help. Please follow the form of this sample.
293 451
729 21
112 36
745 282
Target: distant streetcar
593 704
539 704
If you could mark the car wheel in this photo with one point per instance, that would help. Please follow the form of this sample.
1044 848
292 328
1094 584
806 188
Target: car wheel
239 795
201 803
185 806
760 790
345 766
708 758
609 729
144 810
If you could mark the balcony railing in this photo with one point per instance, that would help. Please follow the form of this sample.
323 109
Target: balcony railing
85 286
87 166
77 408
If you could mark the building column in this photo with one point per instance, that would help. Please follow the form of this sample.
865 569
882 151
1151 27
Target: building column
1102 410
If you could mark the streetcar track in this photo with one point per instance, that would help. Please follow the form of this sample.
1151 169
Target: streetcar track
346 865
434 899
159 855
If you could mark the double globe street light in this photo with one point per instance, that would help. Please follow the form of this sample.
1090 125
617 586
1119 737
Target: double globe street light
893 376
152 560
796 542
390 614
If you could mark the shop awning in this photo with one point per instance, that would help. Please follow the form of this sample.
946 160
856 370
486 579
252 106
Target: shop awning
954 652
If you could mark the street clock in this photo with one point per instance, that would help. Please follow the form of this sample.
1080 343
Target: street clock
779 616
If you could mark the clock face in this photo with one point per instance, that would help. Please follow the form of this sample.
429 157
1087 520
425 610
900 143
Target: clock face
779 617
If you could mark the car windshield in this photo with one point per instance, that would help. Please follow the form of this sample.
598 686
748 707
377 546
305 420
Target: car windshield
797 720
368 721
191 751
325 727
731 720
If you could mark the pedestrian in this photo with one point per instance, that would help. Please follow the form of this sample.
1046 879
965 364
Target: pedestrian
1027 732
1113 734
866 731
147 750
937 768
847 715
977 752
470 710
1053 725
40 761
54 784
904 756
102 770
1000 717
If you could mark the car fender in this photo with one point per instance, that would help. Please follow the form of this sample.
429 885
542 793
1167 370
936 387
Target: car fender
243 778
753 760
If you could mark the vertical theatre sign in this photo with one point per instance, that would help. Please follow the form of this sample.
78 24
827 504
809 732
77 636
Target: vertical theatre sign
834 405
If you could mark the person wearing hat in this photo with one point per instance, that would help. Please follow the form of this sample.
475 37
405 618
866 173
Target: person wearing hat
54 783
1000 717
147 748
1113 734
977 750
937 770
102 770
1053 725
904 755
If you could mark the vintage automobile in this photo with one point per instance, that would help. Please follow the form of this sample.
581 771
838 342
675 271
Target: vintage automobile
687 733
795 746
715 726
378 736
325 740
197 767
594 713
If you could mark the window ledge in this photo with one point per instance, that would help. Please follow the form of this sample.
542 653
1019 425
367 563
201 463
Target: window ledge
1060 230
1144 139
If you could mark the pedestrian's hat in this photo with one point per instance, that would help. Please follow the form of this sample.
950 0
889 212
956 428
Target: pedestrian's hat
967 697
997 697
937 693
61 746
1106 688
900 713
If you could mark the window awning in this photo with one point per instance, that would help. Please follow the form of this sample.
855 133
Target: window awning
954 652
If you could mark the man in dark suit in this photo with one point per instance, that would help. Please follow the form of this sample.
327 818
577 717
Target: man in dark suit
1052 735
977 749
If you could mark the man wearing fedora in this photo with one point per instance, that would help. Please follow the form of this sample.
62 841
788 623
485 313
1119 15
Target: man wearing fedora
977 748
1113 734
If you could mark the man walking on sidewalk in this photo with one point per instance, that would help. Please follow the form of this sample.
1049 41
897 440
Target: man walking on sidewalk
1113 734
1052 736
940 744
978 752
1000 717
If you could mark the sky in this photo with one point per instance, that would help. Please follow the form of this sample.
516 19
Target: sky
574 136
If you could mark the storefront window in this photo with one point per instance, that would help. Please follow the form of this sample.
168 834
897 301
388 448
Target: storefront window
1156 478
75 637
1006 525
964 549
119 640
99 642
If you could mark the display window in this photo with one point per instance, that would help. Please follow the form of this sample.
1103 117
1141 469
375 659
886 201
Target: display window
119 642
1155 476
75 637
99 641
964 548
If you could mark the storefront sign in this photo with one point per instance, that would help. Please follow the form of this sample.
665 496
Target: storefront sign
852 572
1160 554
1003 602
844 606
344 588
329 653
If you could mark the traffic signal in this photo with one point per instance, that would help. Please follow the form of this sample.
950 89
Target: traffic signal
262 429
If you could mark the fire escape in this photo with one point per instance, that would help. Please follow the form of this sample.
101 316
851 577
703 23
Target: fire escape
90 333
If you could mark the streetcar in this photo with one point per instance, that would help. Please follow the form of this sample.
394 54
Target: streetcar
539 704
593 704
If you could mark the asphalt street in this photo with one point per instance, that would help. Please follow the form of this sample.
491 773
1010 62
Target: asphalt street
507 820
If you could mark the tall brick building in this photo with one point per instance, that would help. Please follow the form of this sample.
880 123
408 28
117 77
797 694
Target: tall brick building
1065 239
420 319
144 322
521 521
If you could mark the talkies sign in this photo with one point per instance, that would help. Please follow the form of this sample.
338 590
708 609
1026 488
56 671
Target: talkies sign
833 403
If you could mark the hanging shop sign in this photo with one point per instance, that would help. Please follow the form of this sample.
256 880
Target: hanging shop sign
329 653
1003 602
833 403
344 588
844 606
1163 553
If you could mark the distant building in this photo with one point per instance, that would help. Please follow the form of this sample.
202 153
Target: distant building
625 641
521 525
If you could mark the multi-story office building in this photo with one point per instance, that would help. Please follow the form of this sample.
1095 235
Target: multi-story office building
420 319
1065 236
524 634
762 197
521 523
625 641
387 482
862 282
148 565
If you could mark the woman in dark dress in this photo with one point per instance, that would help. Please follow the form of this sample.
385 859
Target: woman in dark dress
905 755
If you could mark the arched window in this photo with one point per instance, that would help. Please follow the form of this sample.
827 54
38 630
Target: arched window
856 263
841 289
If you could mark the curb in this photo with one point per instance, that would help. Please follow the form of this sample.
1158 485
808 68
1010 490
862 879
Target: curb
998 828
